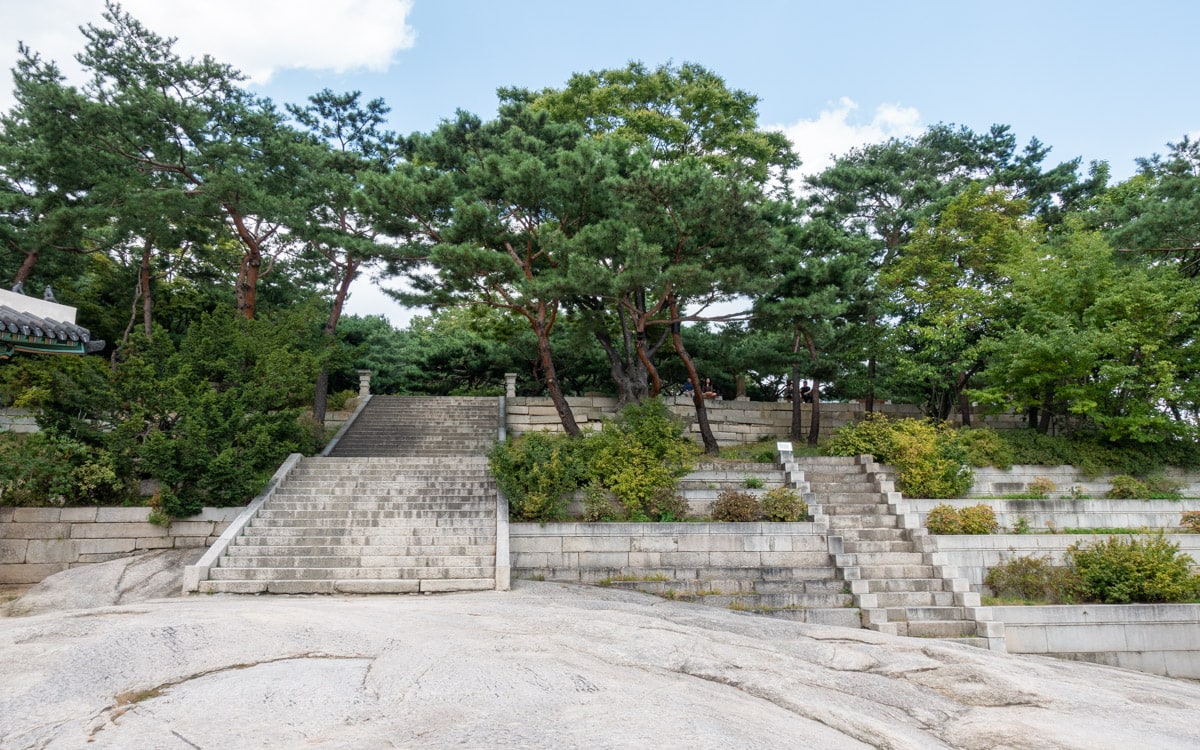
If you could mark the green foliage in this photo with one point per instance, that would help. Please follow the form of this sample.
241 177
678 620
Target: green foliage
928 458
668 506
1146 569
46 469
1021 526
985 447
752 482
598 504
943 519
1152 488
337 399
783 504
736 507
976 519
536 472
1034 579
1040 488
640 453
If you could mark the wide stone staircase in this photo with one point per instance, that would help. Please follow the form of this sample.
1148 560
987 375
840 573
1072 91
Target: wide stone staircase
898 587
403 503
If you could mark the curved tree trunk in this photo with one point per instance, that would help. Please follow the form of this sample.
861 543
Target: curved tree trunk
706 434
556 395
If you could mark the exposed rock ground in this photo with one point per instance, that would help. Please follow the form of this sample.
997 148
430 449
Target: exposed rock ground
545 665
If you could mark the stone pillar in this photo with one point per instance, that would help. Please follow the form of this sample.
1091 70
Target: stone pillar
364 382
510 384
740 388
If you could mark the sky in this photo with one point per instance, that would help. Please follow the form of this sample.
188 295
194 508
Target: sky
1092 79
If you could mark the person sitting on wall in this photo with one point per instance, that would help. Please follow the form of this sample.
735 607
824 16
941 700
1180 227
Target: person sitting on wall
805 392
688 388
709 391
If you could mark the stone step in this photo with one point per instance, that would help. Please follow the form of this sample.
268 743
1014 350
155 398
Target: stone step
841 617
936 628
923 614
314 515
241 552
908 572
347 586
888 558
866 547
887 534
890 599
332 574
899 585
391 561
352 533
349 542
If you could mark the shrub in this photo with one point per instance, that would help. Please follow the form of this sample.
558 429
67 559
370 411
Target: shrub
1191 521
783 504
1032 579
946 519
666 506
736 506
978 519
1021 526
598 504
536 472
1119 571
640 453
1153 488
1041 487
929 460
985 447
1125 487
752 482
943 519
337 400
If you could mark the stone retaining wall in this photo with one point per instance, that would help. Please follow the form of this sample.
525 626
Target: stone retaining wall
1155 638
990 481
38 542
592 551
975 555
17 420
1058 514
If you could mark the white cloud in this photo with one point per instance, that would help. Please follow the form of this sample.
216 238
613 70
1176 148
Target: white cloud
258 37
832 133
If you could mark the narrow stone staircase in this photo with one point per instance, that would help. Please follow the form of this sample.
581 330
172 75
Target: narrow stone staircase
403 503
899 588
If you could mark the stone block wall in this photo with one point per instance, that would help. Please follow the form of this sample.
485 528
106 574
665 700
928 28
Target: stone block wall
589 552
732 422
1154 638
39 542
1063 513
990 481
17 420
973 556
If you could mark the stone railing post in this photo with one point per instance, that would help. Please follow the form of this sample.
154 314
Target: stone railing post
364 382
510 384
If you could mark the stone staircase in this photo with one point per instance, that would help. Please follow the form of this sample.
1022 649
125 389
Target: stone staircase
787 573
403 503
899 588
422 426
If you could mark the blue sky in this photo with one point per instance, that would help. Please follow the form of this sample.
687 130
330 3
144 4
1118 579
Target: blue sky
1098 80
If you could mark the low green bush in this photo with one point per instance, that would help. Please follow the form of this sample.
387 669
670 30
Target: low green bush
668 506
943 519
1152 488
736 506
598 504
1040 488
1190 521
976 519
1145 569
783 505
536 472
1034 579
985 447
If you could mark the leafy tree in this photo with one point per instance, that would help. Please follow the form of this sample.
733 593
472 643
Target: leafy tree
1158 210
331 224
950 292
499 211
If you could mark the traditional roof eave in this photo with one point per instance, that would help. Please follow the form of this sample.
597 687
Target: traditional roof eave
36 326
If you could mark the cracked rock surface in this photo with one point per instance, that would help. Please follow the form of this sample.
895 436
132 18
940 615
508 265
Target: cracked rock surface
545 665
